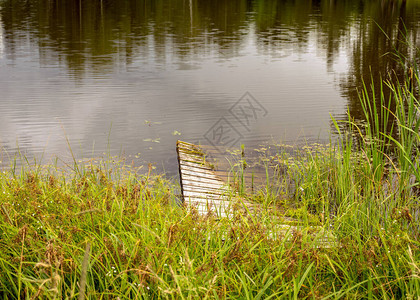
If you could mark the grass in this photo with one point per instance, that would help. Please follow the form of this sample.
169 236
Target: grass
104 231
108 231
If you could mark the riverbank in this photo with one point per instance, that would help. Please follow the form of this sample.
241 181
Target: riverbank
142 244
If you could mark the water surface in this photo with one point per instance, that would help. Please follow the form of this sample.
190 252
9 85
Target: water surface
131 77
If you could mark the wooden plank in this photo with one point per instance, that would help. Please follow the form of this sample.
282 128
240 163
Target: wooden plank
199 184
194 155
209 197
188 179
191 158
200 173
195 164
218 173
198 179
191 200
197 169
188 145
206 191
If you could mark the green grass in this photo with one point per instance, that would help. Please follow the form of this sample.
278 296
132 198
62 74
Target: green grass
129 237
105 231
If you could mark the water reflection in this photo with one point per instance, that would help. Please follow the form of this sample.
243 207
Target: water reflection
373 47
96 70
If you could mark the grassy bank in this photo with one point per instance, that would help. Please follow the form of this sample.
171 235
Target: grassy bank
132 239
143 245
104 231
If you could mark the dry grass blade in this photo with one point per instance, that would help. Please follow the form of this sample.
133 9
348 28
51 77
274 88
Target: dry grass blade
83 274
7 214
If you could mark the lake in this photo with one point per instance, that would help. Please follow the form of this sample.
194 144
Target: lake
131 77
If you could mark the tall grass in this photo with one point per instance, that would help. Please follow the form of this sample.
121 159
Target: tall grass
104 231
143 245
365 187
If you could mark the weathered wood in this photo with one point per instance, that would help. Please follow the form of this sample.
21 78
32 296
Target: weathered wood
200 186
203 189
190 180
201 176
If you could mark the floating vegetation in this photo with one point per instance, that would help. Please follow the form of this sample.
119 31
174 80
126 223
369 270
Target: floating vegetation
157 140
150 123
